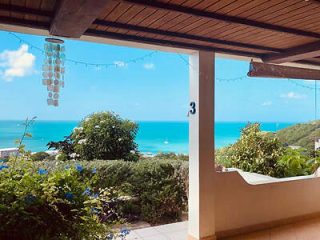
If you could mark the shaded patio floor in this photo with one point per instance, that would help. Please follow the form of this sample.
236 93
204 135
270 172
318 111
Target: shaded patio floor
304 230
175 231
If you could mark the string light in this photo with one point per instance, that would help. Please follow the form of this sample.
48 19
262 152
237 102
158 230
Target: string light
88 64
135 60
247 78
217 78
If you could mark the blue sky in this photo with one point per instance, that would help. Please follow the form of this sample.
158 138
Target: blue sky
154 89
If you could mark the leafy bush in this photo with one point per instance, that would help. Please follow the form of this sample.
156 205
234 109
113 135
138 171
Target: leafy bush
58 204
53 203
297 163
154 191
261 152
256 151
39 156
171 156
65 147
222 156
105 135
160 189
62 157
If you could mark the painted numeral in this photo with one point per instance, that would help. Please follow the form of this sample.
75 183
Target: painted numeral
192 108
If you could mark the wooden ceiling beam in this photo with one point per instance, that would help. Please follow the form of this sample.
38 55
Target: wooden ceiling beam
184 35
167 43
72 18
24 10
221 17
305 51
180 44
24 23
277 71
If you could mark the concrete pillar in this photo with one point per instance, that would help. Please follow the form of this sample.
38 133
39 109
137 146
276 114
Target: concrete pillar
201 147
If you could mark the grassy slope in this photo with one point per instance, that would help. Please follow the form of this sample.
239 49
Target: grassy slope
302 134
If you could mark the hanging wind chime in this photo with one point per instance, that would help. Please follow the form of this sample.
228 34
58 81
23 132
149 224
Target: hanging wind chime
53 69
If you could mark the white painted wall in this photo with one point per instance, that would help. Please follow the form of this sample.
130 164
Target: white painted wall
240 206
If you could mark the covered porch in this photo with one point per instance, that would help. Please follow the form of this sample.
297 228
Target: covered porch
221 204
302 230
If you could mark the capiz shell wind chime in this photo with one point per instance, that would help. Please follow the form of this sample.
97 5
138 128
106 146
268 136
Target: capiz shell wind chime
53 69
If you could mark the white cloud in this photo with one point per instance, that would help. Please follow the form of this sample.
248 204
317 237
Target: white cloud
266 103
292 95
16 63
149 66
120 64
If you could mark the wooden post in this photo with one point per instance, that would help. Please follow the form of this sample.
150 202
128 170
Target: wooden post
201 147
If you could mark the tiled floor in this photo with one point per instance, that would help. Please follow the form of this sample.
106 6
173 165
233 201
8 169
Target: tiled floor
175 231
306 230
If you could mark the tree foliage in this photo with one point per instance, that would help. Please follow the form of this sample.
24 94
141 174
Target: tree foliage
256 151
65 146
105 135
262 152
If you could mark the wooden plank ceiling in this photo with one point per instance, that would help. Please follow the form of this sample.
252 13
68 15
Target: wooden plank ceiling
277 31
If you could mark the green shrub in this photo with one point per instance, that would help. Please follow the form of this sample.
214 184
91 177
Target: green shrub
171 156
105 136
222 156
161 191
256 151
154 191
58 204
61 157
65 146
39 156
295 163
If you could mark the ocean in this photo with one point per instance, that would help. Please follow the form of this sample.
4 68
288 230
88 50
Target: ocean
152 137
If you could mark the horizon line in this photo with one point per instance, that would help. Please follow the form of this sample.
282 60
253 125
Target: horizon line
141 120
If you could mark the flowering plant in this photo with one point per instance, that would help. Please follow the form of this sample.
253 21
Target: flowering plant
37 204
106 136
42 203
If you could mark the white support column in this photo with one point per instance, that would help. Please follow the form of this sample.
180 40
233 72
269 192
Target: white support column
201 147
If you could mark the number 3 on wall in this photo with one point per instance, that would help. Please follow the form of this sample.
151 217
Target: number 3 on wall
192 108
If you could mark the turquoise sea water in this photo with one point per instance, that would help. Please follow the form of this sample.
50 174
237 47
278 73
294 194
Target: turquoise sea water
152 137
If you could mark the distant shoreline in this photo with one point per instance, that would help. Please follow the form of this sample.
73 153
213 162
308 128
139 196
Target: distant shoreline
153 136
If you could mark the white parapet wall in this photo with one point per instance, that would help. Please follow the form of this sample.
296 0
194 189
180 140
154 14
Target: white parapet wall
241 206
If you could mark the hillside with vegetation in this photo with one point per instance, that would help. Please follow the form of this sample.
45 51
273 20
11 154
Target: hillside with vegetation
265 153
302 134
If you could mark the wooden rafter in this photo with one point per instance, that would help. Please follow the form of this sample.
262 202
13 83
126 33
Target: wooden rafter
24 23
221 17
277 71
24 10
168 43
305 51
182 35
72 18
